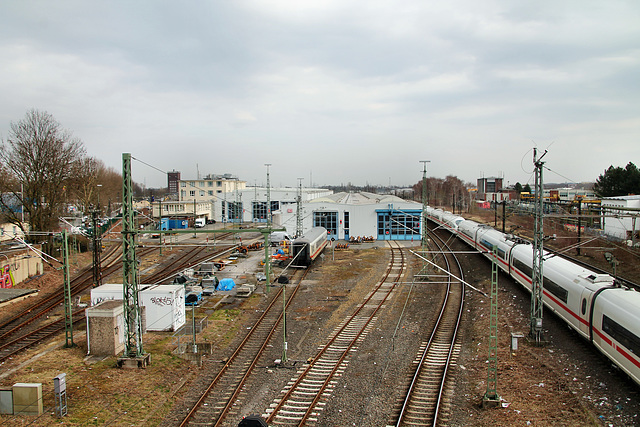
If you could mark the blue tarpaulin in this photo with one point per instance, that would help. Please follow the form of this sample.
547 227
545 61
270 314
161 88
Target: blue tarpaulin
226 285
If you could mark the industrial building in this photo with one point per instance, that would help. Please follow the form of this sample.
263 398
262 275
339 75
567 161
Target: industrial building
210 186
619 215
344 215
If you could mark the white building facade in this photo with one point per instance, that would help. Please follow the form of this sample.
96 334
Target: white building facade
619 217
199 190
347 215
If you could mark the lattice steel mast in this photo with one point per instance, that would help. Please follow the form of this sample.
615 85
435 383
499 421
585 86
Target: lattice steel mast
68 312
132 321
538 239
299 230
424 238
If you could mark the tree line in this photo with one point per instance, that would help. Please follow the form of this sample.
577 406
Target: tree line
46 172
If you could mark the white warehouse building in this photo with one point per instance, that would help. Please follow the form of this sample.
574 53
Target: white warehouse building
346 215
619 216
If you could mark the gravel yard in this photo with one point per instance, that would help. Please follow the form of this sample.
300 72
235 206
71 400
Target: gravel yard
563 382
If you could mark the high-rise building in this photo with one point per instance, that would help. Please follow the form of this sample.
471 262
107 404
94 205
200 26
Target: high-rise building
172 181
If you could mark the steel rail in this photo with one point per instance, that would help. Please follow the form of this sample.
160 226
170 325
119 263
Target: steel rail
238 353
429 351
345 350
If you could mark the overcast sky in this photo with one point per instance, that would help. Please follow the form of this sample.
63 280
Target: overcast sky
332 91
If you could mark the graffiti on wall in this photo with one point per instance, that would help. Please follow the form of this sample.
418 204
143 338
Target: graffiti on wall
6 278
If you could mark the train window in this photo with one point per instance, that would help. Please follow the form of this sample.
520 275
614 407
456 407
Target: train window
528 271
584 306
561 293
621 334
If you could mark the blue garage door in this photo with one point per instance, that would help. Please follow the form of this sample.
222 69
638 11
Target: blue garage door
394 224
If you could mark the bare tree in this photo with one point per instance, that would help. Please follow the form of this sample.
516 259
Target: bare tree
39 158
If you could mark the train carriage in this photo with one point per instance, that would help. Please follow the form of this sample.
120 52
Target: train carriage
591 303
306 248
615 324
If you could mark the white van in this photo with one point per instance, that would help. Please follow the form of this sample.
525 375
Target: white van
199 222
278 236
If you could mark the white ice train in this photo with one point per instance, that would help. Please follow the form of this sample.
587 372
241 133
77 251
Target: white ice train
600 310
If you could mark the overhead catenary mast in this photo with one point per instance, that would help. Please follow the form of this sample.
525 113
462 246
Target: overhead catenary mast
538 239
422 275
299 230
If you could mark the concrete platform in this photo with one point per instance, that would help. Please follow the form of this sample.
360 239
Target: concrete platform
12 295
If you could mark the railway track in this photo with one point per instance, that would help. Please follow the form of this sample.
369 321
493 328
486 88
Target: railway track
423 403
43 306
25 329
224 389
305 396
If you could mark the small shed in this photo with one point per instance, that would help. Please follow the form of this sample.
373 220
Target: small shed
105 328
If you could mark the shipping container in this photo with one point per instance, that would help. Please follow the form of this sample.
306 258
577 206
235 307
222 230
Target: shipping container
164 307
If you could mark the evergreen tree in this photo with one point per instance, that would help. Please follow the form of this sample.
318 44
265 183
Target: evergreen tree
618 181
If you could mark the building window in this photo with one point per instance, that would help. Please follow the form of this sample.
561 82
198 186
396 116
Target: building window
192 193
259 211
210 192
201 193
328 220
219 183
346 220
201 183
398 225
183 184
235 211
209 183
183 194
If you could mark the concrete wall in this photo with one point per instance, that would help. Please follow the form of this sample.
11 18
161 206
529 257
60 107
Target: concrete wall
105 333
17 265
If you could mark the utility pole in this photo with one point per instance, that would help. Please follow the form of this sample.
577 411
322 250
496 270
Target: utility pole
579 224
299 230
68 319
491 397
267 261
425 238
97 249
538 240
133 353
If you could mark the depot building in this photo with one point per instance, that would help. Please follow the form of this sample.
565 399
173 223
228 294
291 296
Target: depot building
344 215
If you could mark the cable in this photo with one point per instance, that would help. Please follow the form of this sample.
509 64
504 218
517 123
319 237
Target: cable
568 179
